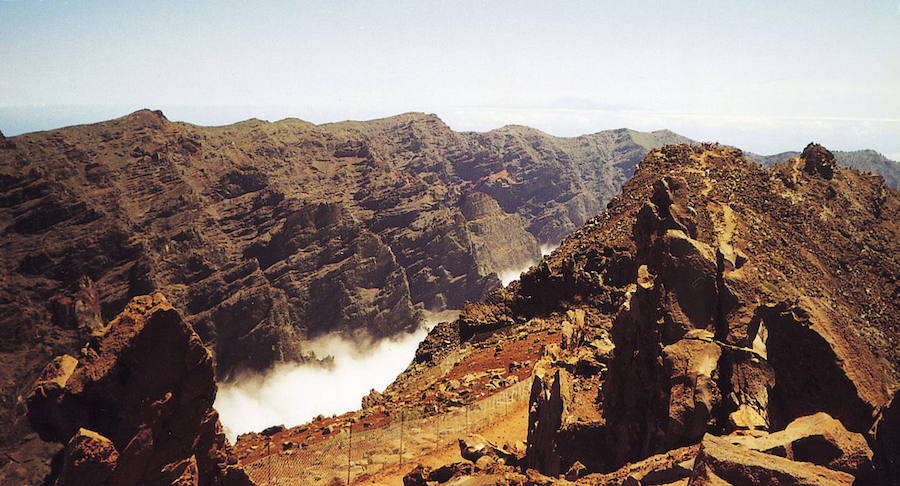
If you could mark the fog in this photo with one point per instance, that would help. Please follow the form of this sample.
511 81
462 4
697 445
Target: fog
507 276
292 393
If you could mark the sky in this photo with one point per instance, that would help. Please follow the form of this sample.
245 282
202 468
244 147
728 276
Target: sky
766 76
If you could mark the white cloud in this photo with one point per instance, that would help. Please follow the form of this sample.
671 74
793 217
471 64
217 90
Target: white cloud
291 394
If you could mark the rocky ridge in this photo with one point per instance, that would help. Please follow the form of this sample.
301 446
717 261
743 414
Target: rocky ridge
865 160
721 323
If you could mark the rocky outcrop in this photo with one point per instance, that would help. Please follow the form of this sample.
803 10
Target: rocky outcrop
136 406
863 160
818 439
745 303
550 411
818 160
886 433
720 463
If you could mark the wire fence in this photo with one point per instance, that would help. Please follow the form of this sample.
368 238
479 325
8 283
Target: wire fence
350 453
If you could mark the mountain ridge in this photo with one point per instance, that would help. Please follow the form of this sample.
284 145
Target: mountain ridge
862 159
264 235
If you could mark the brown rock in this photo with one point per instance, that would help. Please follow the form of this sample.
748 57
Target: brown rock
484 463
691 365
89 459
818 160
449 471
669 467
817 370
417 477
818 439
550 407
751 380
887 441
473 447
576 470
722 463
153 379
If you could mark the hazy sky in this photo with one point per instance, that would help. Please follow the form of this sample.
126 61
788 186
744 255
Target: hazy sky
766 76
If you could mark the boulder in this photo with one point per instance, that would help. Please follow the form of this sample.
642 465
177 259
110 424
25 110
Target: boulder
484 463
449 471
816 371
576 470
887 441
89 459
270 431
818 160
372 399
474 447
417 477
720 462
136 408
665 468
691 366
818 439
751 380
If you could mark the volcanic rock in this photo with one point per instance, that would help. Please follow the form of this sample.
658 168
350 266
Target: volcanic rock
666 468
136 407
739 299
89 459
474 447
417 477
549 412
722 463
887 440
818 439
818 160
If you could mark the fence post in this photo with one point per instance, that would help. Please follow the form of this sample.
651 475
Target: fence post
269 457
349 452
400 451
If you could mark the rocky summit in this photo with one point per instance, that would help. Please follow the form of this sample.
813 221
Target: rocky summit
720 323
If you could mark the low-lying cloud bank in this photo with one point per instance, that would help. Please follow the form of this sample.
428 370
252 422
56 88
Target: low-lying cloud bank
294 393
291 394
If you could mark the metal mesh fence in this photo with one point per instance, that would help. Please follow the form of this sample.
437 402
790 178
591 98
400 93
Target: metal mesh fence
350 454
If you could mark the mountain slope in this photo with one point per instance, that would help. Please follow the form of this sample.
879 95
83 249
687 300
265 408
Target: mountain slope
263 235
713 298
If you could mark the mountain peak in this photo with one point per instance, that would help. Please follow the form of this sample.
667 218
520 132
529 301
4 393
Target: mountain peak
818 160
145 117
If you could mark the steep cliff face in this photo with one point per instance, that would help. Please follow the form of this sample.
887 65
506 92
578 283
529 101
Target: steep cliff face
300 229
718 312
